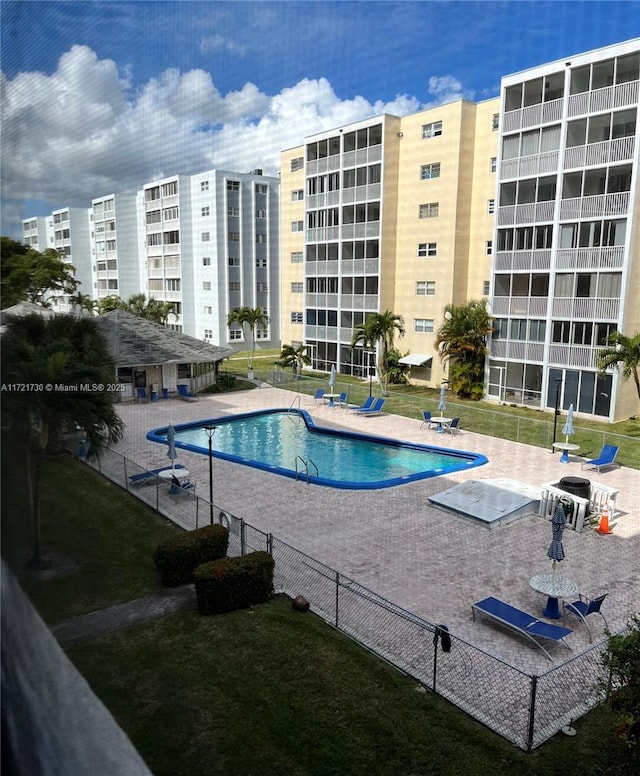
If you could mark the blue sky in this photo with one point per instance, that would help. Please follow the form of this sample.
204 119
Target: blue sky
106 96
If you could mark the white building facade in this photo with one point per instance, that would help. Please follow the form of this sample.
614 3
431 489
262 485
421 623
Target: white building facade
566 271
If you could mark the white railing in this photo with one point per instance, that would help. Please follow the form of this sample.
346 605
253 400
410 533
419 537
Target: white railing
586 308
606 257
603 99
599 497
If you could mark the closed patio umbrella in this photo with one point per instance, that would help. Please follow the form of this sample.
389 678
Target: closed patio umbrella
171 441
558 522
332 377
567 429
442 406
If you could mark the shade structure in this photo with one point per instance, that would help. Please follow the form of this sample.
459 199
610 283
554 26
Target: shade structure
442 406
558 522
171 442
332 377
567 429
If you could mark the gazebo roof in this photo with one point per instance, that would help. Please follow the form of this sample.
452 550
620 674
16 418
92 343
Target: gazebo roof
134 341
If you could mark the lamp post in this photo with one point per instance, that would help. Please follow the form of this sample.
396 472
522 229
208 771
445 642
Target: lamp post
557 411
370 353
210 431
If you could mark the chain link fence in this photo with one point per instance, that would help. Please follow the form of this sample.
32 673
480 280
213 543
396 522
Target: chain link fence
525 709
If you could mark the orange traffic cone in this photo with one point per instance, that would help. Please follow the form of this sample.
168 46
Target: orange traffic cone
603 528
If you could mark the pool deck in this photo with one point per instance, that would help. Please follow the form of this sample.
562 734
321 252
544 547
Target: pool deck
398 544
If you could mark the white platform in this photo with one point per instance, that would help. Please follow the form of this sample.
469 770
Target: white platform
490 502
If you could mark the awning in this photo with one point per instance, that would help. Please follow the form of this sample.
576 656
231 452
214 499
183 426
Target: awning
416 359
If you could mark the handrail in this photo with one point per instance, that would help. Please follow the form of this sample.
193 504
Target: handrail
296 399
306 463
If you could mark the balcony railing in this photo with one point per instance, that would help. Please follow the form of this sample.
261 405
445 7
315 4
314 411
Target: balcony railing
586 308
541 113
605 152
604 257
523 260
595 206
527 166
521 306
603 99
529 213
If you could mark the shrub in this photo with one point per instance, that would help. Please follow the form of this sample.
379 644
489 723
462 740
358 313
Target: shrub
234 583
177 557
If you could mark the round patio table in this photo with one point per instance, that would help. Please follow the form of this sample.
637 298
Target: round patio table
554 586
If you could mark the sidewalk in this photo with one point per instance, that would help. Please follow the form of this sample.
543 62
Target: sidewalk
94 624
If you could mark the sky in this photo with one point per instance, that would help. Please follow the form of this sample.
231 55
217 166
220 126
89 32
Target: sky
103 97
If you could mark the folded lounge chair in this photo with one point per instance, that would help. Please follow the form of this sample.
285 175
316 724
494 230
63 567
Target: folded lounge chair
606 458
374 409
146 477
525 624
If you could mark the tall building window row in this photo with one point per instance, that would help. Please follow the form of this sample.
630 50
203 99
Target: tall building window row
598 75
523 238
351 141
596 129
322 285
350 250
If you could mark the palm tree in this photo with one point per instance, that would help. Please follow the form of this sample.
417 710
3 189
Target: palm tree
624 350
151 310
84 302
296 358
462 342
378 331
66 358
251 317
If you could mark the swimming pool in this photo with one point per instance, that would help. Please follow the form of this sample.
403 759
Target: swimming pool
289 443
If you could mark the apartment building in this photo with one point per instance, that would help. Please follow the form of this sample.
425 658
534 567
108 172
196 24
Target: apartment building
116 268
566 268
69 235
389 213
36 233
210 244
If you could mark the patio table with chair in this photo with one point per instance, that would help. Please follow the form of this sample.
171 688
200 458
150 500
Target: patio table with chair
554 586
566 447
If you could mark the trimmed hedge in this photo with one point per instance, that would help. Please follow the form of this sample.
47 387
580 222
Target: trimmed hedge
234 583
177 557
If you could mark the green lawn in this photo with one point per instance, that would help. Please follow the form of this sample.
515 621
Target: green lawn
264 691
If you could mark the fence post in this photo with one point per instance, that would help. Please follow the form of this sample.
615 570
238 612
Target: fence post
197 510
337 595
435 657
243 546
532 711
126 479
270 543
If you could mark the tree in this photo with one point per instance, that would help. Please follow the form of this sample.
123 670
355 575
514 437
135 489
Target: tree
251 317
28 275
622 659
379 331
462 342
395 372
626 351
84 303
65 359
296 358
150 309
109 303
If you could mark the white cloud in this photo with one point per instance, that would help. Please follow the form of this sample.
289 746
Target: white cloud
83 131
212 44
447 88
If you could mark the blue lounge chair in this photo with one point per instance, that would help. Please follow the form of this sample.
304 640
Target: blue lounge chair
342 400
318 397
185 394
143 478
583 607
178 487
367 404
374 409
525 624
606 458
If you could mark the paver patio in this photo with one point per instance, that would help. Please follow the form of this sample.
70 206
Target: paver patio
396 543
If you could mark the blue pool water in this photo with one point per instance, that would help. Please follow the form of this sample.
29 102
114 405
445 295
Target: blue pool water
288 442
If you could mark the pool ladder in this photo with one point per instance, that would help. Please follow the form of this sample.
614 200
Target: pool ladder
306 463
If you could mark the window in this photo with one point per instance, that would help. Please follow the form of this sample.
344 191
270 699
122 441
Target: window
488 247
208 334
297 195
297 317
495 121
170 213
491 206
234 261
153 217
429 210
428 171
204 185
486 288
262 287
233 211
206 261
297 164
297 288
425 287
111 245
233 185
171 238
234 285
261 262
261 238
204 211
427 249
206 286
235 334
423 325
234 236
493 164
297 257
169 189
172 284
431 130
150 194
297 226
261 213
206 236
154 239
208 310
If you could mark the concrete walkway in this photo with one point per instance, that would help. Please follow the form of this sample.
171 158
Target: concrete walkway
90 626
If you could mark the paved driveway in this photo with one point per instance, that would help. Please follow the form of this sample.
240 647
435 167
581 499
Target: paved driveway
396 543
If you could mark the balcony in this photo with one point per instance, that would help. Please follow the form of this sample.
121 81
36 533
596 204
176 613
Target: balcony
528 166
517 350
595 206
528 213
538 260
603 99
533 115
605 257
520 306
586 309
605 152
573 355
